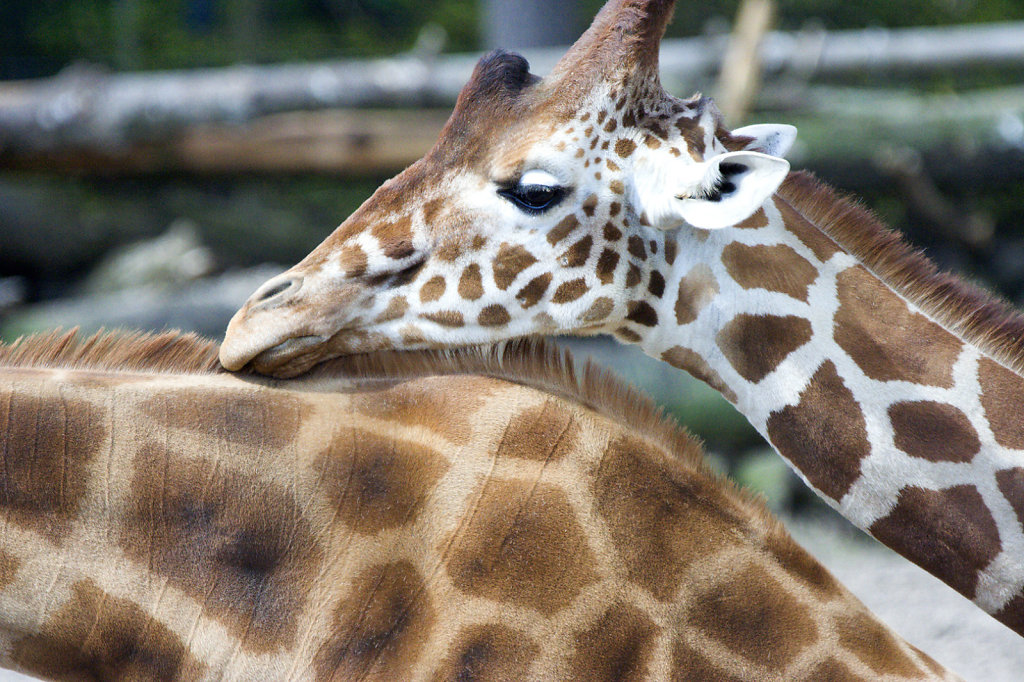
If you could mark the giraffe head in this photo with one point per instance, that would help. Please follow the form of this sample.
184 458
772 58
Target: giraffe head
541 209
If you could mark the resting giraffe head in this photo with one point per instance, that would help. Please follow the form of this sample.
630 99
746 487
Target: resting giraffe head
541 209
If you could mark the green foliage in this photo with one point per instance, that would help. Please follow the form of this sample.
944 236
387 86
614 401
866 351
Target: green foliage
141 34
45 35
691 17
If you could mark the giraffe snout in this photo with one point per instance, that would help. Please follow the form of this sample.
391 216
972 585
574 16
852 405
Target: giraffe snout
276 291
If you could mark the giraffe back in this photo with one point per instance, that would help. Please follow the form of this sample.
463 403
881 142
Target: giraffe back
399 516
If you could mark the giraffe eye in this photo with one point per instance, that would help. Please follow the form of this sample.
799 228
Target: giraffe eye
535 192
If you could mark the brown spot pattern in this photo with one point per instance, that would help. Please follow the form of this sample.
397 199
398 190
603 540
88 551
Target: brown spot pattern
433 289
690 665
775 268
689 361
600 309
617 647
590 205
611 232
194 524
824 435
421 403
397 307
888 341
633 275
376 482
545 433
47 443
380 627
9 565
635 246
795 560
657 284
756 220
510 261
628 335
95 635
606 265
950 533
642 313
570 291
494 315
353 261
445 318
1011 485
488 652
875 645
395 238
471 285
242 417
624 147
562 229
756 344
1012 615
1001 392
752 615
831 670
937 432
522 546
671 247
696 290
530 294
660 518
448 251
577 254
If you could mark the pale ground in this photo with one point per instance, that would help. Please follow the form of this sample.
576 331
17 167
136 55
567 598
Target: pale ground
915 604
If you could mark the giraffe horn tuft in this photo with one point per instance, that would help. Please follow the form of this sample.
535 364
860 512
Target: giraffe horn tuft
624 41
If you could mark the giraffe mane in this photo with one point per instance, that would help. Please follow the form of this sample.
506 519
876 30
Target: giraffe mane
530 361
977 316
121 351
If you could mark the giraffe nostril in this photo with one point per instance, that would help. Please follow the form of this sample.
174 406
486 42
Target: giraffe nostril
276 289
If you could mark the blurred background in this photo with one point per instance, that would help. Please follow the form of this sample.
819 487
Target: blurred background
161 159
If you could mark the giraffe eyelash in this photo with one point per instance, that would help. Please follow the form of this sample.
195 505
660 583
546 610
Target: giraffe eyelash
534 192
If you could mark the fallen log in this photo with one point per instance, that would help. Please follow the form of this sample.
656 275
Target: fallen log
89 109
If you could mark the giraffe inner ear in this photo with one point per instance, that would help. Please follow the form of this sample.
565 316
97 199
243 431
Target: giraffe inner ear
734 186
773 139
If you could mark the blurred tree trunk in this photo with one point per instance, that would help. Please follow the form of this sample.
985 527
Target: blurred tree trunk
515 24
126 21
247 21
740 77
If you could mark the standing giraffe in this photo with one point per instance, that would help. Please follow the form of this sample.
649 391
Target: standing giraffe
593 202
389 518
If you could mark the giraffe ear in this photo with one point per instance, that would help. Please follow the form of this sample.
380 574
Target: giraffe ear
773 139
733 187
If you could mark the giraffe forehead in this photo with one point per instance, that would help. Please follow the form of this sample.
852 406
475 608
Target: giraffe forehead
625 121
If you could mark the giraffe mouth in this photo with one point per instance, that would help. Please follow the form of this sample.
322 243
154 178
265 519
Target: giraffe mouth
291 357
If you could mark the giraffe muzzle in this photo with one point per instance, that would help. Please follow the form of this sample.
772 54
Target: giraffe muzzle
286 325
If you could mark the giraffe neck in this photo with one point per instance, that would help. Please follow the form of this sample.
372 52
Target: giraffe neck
209 526
908 426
